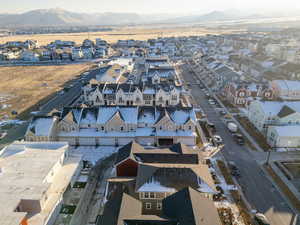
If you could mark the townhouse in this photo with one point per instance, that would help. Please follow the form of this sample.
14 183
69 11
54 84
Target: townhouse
118 125
266 113
286 89
242 93
284 136
34 180
160 186
131 94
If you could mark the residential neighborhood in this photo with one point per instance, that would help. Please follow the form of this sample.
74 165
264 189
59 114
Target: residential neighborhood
183 130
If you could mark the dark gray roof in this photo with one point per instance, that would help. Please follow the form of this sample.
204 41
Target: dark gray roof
126 151
171 177
189 207
285 111
176 154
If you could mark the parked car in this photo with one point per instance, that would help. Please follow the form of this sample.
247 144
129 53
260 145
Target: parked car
217 139
239 139
211 126
222 112
232 127
232 165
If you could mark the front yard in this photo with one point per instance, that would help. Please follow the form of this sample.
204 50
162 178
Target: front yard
258 137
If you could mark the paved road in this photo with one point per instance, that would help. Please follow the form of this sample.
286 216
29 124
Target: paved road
258 190
69 96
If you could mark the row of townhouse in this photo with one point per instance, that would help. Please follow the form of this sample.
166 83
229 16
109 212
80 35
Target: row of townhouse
131 94
278 121
219 74
160 186
243 93
35 179
117 125
286 89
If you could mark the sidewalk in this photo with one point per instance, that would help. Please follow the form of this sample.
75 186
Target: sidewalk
97 202
243 131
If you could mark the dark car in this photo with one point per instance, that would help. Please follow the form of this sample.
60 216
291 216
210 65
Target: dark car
211 126
239 139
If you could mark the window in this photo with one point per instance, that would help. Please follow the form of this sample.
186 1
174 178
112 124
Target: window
146 195
190 127
122 128
102 128
159 205
148 205
152 195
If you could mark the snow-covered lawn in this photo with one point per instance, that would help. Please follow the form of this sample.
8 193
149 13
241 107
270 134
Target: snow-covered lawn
92 153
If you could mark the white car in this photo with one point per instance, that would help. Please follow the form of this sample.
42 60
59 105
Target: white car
212 102
217 139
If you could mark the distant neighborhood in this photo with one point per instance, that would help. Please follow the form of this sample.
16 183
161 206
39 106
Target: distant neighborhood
195 130
30 51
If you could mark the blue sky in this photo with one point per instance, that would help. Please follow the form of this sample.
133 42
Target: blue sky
147 6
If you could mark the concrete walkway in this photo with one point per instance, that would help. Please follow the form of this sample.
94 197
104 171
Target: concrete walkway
97 203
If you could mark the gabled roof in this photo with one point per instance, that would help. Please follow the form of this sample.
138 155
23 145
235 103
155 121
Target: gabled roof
71 114
172 177
189 207
127 151
176 154
163 114
122 209
116 115
41 125
285 111
144 173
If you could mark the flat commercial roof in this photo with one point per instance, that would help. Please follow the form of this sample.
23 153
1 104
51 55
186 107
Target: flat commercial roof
24 167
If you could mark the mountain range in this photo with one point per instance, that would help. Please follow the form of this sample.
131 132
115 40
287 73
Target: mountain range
60 17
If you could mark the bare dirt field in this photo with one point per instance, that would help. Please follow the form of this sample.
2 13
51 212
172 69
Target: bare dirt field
137 33
25 86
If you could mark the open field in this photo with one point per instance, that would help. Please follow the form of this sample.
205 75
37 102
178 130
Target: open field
28 85
138 33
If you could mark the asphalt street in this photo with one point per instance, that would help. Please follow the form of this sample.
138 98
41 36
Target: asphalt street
65 99
258 190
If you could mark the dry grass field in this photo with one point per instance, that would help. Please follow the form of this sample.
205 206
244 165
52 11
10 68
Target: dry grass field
29 84
137 33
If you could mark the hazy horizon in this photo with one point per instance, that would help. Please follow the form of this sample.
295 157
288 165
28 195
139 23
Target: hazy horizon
147 7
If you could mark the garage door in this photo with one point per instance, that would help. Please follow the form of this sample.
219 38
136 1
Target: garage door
107 141
70 140
165 141
124 141
187 141
146 141
84 141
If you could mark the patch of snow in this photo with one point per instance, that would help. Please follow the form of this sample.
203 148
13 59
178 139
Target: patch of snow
154 186
94 154
82 178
